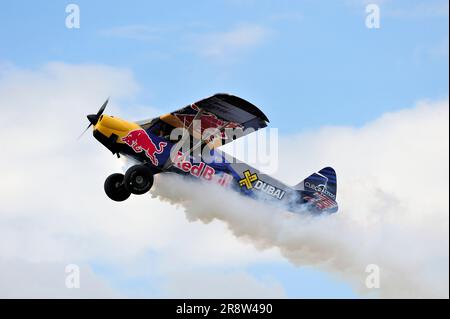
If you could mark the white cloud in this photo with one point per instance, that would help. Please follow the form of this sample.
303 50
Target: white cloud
228 44
393 185
393 192
53 210
22 279
393 179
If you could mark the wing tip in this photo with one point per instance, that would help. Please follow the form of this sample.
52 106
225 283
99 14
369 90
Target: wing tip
244 104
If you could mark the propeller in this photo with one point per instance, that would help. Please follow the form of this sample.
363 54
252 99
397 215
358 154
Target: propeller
93 118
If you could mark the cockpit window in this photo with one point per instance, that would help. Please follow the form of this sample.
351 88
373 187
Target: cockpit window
162 129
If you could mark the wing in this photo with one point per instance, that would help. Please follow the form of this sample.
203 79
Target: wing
224 115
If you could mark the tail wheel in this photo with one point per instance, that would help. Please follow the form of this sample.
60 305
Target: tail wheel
115 188
138 179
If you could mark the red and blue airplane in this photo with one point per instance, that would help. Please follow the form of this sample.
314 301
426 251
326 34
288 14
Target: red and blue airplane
158 151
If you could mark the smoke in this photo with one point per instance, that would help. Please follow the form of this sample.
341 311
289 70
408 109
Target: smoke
393 194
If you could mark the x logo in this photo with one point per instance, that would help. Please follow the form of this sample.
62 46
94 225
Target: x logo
248 179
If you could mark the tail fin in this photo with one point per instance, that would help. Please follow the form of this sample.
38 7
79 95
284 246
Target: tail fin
320 189
331 183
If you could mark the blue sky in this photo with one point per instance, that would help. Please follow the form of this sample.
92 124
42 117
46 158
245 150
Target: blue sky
307 64
311 64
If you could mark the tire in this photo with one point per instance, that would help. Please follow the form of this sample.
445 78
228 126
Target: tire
138 179
115 188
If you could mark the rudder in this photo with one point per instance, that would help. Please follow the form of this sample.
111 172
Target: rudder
320 189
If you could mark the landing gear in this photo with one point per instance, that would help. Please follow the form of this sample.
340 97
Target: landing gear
138 179
115 188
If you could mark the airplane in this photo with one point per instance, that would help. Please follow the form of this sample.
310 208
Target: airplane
204 125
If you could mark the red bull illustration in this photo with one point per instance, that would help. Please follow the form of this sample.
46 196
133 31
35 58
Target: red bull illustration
140 141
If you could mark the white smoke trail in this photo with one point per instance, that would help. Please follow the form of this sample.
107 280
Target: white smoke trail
406 237
330 242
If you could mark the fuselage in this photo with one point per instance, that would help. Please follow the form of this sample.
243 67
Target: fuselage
158 151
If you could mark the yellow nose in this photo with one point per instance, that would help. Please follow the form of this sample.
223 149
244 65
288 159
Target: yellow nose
108 125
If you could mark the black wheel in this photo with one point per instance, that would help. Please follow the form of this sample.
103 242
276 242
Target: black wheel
138 179
115 188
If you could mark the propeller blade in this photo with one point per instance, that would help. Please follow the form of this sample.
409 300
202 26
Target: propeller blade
102 108
93 118
87 128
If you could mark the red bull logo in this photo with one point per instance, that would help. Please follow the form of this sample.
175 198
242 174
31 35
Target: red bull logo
139 141
201 170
